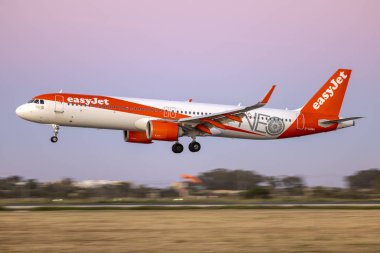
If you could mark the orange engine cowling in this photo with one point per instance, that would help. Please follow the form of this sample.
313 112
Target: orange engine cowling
136 137
163 131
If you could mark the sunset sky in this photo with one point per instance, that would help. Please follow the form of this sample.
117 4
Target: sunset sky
225 52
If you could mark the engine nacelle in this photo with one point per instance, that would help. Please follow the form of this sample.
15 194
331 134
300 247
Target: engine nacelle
163 131
136 137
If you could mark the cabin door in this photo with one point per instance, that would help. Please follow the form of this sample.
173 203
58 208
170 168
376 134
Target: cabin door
59 104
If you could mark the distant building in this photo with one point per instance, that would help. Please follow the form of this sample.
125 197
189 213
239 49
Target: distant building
95 183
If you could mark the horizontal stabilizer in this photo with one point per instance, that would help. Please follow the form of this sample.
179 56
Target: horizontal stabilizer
337 121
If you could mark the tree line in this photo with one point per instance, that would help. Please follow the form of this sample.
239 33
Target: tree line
242 183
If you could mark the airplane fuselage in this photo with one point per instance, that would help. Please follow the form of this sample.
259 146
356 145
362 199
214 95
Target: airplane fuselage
132 114
148 120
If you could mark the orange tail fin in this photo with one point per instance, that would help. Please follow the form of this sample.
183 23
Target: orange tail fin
328 100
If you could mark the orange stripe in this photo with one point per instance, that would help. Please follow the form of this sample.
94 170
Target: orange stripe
232 117
214 123
115 104
203 129
242 131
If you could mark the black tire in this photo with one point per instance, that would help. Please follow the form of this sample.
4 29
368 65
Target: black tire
54 139
194 146
177 148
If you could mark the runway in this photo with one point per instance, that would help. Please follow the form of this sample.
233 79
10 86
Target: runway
153 206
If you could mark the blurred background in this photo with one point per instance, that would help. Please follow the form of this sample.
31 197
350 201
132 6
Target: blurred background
225 52
215 186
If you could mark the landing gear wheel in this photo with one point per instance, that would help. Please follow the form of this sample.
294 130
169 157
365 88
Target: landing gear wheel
54 139
177 148
194 146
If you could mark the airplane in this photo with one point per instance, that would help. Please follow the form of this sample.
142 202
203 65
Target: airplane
147 120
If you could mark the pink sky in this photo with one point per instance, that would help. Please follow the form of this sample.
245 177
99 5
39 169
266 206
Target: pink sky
212 51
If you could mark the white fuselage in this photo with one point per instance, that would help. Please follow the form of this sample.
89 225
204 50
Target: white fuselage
147 120
134 119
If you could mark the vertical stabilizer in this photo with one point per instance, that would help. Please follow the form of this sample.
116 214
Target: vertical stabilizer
328 100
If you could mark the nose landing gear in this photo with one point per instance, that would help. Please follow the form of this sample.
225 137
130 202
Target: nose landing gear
54 138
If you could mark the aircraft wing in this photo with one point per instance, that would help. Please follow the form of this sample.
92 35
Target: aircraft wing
205 122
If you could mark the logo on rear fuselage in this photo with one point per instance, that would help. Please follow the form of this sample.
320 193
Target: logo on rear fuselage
330 90
275 126
88 101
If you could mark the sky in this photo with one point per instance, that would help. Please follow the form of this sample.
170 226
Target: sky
213 51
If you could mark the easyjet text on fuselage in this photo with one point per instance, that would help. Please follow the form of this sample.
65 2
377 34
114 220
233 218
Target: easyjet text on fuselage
88 101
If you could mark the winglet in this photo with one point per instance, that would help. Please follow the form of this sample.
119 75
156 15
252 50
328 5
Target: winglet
268 95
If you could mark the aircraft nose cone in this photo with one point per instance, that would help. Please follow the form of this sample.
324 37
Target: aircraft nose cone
20 111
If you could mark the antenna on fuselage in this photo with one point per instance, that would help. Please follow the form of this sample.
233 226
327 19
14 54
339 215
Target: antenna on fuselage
60 91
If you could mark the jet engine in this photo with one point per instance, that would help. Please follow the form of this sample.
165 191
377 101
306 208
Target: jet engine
163 130
136 137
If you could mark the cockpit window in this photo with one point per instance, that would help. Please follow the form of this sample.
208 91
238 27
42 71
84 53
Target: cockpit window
37 101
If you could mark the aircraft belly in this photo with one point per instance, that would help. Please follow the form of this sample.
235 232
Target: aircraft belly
95 118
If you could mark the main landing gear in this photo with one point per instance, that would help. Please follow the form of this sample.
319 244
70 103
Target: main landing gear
193 147
54 138
177 148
